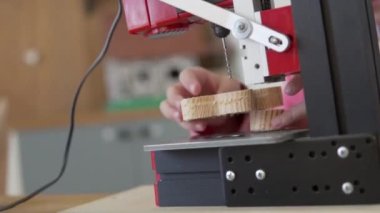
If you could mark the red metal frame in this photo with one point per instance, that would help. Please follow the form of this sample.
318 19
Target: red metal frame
150 17
157 178
281 20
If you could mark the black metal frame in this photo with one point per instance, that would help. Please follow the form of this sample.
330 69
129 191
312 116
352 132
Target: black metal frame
304 171
339 58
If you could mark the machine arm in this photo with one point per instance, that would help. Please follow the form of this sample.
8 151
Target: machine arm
240 27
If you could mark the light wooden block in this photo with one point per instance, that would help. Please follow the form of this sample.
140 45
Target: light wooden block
261 120
236 102
216 105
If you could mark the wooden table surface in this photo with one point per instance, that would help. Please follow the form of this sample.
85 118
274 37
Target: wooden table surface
53 203
141 200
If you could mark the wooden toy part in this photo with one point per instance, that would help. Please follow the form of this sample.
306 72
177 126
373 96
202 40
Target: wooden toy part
261 120
236 102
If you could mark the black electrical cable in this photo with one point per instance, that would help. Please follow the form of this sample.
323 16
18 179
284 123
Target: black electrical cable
89 71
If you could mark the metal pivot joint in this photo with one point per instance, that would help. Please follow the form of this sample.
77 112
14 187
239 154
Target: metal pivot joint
242 29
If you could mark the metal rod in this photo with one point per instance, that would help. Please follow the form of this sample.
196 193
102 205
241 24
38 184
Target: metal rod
226 58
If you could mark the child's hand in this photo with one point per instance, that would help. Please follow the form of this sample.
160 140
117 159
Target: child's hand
197 82
295 116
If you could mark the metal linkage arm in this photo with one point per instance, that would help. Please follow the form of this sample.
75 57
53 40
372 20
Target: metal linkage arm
240 27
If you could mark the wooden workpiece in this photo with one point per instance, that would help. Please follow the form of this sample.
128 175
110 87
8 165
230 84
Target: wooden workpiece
236 102
261 120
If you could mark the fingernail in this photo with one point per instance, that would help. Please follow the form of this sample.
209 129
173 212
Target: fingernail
289 90
200 127
194 89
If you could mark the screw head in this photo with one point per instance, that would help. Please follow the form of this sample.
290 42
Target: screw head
260 174
230 175
347 188
242 29
343 152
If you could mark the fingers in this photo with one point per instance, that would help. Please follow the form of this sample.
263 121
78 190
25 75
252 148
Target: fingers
289 117
198 81
170 112
175 94
194 126
294 86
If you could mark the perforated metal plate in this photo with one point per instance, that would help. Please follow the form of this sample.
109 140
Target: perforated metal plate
303 172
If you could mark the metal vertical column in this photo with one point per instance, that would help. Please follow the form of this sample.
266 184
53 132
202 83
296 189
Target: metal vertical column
354 56
315 67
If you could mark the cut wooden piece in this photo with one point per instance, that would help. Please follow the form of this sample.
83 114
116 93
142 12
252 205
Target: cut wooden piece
217 105
236 102
261 120
266 98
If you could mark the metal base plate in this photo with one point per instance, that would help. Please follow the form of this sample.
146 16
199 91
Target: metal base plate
230 140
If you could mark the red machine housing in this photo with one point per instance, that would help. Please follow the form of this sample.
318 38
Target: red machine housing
281 20
153 17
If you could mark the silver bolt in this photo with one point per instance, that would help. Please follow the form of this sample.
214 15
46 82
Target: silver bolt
230 176
260 174
242 27
347 188
343 152
275 40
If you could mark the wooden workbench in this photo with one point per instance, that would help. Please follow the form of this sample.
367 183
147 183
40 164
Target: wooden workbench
47 204
141 200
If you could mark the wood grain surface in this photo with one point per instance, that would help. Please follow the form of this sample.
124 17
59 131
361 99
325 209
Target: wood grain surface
236 102
216 105
142 200
261 120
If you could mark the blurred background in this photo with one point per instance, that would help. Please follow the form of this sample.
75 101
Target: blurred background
45 46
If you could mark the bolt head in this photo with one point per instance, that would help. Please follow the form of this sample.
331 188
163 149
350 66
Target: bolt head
230 176
242 27
347 188
260 174
343 152
275 40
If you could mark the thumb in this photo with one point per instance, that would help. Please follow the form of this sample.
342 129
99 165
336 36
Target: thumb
294 85
289 117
